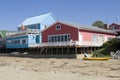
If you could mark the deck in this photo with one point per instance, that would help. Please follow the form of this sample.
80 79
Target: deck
68 43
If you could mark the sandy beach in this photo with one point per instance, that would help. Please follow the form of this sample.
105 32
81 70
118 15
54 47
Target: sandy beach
17 68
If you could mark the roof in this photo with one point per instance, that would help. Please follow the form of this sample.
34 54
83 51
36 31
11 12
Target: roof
37 19
3 33
115 24
89 28
85 27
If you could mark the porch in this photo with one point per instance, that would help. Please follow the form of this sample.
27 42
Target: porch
68 43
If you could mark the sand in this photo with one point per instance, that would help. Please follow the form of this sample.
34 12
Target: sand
16 68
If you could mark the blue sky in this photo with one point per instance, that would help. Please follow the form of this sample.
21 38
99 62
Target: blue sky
13 12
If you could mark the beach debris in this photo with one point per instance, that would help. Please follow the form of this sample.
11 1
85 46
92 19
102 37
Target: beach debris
115 55
15 53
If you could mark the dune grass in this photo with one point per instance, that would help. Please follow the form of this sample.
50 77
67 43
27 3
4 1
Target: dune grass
110 46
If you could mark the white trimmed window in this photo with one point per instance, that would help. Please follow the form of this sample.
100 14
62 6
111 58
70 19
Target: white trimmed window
97 38
58 27
59 38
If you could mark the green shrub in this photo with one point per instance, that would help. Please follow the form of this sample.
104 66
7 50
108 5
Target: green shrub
108 43
110 46
97 55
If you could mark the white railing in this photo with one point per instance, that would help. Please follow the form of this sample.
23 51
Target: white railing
32 31
67 43
118 37
25 32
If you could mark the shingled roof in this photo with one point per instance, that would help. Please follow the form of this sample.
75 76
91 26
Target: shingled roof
37 19
88 28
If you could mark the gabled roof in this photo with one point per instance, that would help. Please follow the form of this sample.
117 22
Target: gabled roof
114 24
84 27
3 33
37 19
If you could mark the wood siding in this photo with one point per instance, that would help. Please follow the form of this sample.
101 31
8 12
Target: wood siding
65 29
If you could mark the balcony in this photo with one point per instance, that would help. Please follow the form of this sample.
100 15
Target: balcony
25 32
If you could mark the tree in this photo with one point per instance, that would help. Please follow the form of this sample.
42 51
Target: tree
100 24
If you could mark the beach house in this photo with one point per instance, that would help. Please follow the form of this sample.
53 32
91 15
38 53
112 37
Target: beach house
29 31
3 35
116 28
66 33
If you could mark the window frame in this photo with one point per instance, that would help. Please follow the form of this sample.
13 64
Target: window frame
58 27
23 40
59 37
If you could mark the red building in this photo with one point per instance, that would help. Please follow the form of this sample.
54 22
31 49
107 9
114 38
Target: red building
116 28
65 33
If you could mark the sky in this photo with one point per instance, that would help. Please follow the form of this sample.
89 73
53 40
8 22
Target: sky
14 12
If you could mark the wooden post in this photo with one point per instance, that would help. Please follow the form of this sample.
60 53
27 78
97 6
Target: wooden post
46 50
91 50
51 51
5 50
76 50
88 50
62 50
56 50
81 50
68 50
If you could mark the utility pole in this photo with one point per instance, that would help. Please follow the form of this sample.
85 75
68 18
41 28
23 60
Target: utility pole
116 19
107 24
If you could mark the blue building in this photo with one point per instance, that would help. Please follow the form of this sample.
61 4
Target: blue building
29 31
3 35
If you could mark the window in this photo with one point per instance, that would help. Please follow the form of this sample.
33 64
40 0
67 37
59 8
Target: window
94 38
68 37
9 41
65 37
16 42
52 39
49 39
55 38
98 38
24 41
101 38
62 38
59 38
58 27
35 26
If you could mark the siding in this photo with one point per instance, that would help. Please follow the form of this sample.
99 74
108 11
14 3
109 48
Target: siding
17 45
64 30
87 35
